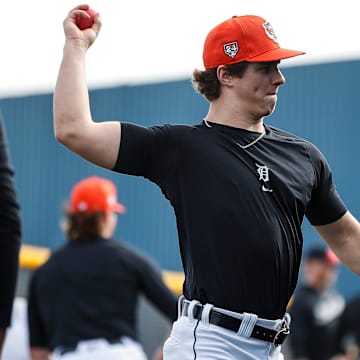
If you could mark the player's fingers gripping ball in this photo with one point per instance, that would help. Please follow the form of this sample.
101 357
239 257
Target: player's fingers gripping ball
84 22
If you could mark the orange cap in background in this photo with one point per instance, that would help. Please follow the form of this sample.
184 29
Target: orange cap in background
332 258
95 194
243 38
323 254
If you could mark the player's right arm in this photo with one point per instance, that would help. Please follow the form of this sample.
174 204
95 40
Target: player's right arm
73 124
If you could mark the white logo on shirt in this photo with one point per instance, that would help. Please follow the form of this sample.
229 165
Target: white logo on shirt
328 309
263 172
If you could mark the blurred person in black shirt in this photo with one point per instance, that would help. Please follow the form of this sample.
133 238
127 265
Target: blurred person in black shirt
316 308
347 343
10 236
82 301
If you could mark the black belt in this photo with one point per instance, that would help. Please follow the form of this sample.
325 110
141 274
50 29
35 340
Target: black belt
62 350
276 337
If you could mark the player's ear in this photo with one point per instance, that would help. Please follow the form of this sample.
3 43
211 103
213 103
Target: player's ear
106 215
223 75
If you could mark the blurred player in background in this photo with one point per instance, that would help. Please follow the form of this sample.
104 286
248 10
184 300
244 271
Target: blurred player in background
240 189
347 340
10 235
82 301
317 307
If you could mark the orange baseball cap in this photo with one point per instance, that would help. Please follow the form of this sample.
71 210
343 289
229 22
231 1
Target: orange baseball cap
243 38
323 254
95 194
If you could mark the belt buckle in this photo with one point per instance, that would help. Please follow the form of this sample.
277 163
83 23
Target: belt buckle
281 335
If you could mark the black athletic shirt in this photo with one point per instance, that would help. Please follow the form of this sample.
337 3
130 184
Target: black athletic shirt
314 319
90 290
10 232
239 211
348 332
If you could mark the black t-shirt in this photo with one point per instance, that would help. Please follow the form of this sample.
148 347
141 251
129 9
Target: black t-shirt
10 232
239 211
348 332
90 289
315 316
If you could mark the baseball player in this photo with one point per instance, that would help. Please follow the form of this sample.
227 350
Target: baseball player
82 301
317 307
10 235
240 188
347 341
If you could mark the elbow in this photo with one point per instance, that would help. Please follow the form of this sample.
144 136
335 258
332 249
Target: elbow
61 136
60 129
64 138
65 131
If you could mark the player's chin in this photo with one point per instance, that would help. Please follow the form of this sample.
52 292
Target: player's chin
269 105
268 110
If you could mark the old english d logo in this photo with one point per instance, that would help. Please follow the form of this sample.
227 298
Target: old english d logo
231 49
264 177
269 31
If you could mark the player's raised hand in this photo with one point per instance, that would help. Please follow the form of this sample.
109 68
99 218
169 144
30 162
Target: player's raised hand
82 24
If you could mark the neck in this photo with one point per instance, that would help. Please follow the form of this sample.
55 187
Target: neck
235 119
237 124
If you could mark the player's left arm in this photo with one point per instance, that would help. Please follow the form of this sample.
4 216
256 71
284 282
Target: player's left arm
343 236
154 287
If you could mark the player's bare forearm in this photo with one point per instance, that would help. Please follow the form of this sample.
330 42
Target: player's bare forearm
73 124
71 101
37 353
343 236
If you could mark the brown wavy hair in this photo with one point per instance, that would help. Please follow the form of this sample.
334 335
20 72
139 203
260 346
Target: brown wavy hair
206 82
82 226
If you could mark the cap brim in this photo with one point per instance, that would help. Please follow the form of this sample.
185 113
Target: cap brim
119 208
275 55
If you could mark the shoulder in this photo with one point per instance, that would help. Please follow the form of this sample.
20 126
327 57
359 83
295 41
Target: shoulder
130 250
134 256
284 135
289 138
177 131
54 257
122 248
154 138
159 128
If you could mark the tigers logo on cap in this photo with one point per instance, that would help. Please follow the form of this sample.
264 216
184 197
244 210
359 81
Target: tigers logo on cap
269 31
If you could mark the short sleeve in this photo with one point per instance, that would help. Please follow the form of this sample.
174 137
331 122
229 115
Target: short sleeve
146 151
325 205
